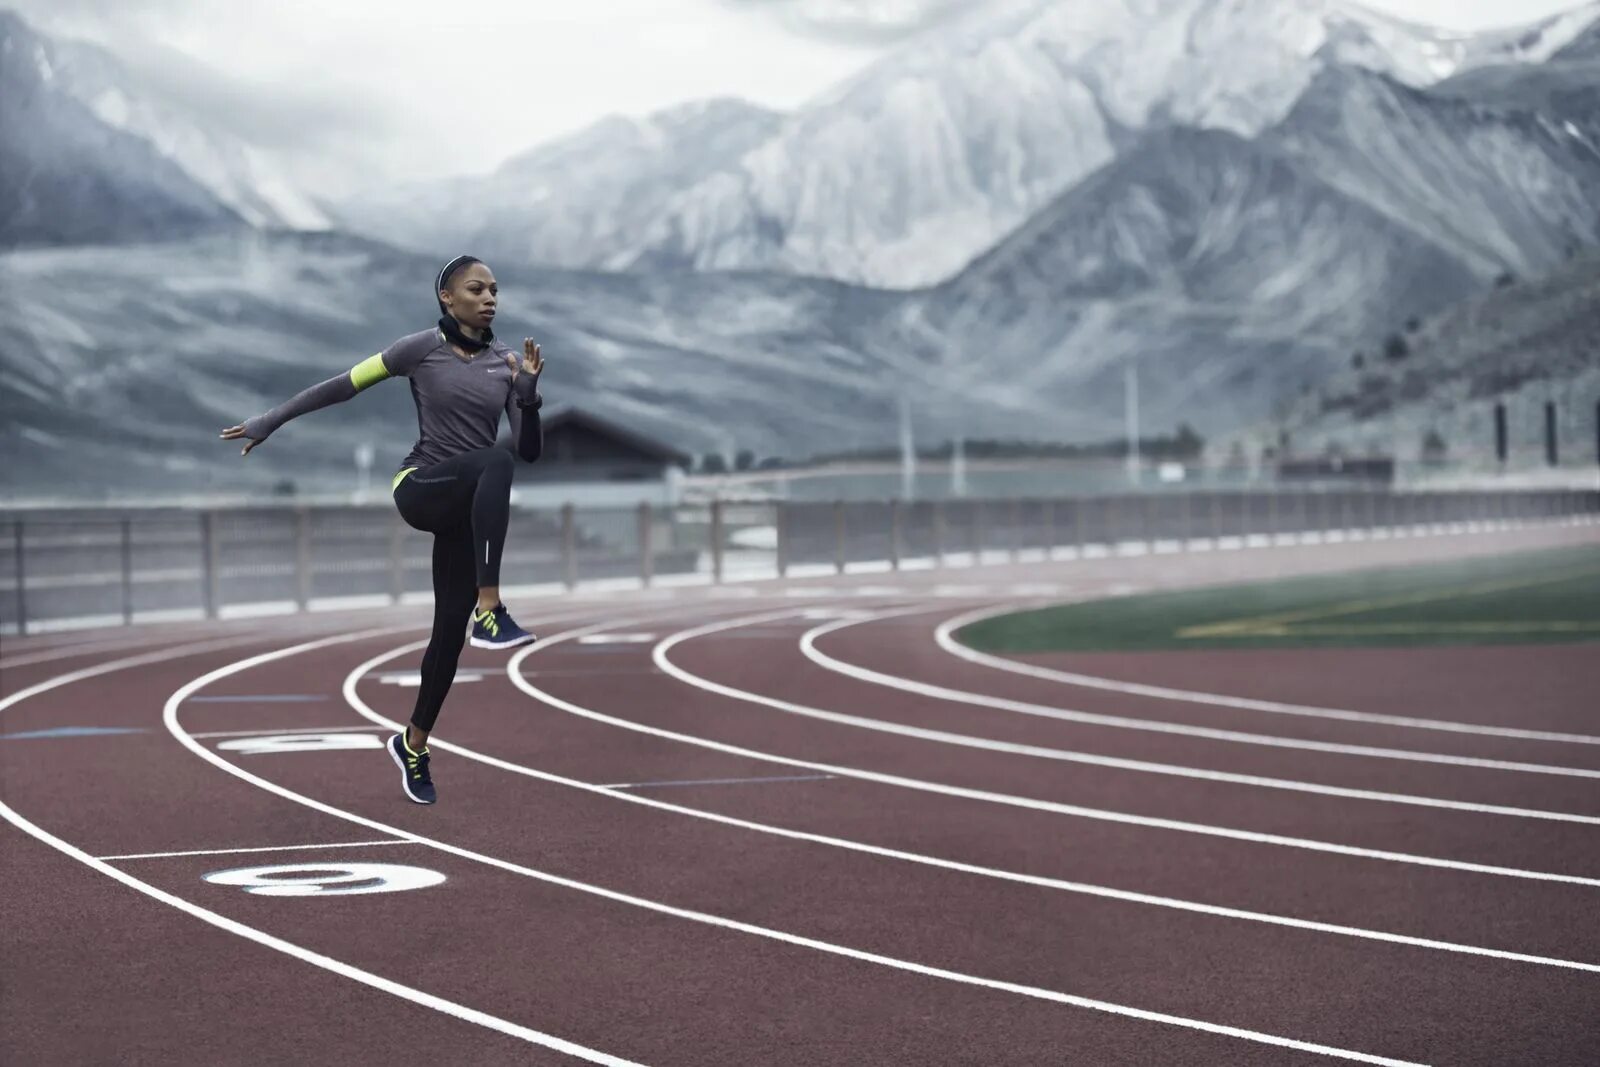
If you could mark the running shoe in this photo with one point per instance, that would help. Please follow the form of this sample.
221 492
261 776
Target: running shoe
414 776
497 629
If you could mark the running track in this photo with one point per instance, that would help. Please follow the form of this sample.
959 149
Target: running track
787 824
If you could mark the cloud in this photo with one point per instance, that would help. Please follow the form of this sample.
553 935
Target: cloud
862 22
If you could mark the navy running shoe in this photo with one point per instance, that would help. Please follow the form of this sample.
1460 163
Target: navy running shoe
414 776
497 629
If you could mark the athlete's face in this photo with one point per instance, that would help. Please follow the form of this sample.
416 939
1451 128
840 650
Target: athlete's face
472 296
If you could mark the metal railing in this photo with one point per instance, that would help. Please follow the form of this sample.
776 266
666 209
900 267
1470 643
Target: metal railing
104 567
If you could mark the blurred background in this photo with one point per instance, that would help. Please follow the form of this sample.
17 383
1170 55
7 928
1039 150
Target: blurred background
785 252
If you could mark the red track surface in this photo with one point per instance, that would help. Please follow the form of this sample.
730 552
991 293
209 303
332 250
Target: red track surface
1003 870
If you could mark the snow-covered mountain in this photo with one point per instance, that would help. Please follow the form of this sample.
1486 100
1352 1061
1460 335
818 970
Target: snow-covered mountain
67 176
580 201
1226 271
1498 186
902 176
242 180
906 173
1238 246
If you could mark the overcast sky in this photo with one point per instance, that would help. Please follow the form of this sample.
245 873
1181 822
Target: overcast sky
367 81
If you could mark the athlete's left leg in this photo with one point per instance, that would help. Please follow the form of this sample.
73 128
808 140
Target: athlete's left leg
453 593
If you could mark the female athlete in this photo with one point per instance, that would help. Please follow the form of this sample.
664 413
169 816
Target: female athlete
455 484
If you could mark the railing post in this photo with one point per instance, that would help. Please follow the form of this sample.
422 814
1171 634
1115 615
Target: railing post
211 553
22 576
302 557
716 541
1148 520
1080 523
397 559
1050 538
127 571
894 534
1214 505
979 534
569 547
938 533
647 556
1016 529
1110 514
780 522
838 536
1185 512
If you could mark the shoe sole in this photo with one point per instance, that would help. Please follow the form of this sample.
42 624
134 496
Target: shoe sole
479 642
405 776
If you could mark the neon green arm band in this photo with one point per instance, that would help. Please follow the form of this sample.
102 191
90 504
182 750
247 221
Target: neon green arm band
369 371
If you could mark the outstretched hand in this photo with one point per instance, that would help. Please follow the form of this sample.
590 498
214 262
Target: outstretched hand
234 433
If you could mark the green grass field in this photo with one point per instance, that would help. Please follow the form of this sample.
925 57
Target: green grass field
1532 597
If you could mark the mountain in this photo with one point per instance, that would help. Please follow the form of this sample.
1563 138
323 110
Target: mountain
580 201
1497 185
1565 85
67 176
126 391
1521 345
906 173
1225 271
74 95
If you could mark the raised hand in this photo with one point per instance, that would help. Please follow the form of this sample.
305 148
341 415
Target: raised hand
532 361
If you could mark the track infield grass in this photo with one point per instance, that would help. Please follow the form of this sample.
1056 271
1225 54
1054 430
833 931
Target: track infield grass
1530 597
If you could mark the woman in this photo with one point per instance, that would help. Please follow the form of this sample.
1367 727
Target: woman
455 484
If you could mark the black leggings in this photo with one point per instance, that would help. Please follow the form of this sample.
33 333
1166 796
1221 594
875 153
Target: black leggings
465 502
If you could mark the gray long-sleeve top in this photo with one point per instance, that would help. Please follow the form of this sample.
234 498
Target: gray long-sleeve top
459 400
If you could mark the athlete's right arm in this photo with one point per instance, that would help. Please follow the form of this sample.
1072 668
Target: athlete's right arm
396 359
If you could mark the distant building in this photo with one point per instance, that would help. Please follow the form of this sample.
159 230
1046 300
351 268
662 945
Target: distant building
590 459
1376 470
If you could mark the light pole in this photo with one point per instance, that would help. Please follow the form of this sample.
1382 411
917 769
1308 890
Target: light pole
1131 414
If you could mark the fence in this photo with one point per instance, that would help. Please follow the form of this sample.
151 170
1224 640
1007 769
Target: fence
99 567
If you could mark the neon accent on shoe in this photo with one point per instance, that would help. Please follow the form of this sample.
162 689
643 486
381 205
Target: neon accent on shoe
415 778
398 478
369 371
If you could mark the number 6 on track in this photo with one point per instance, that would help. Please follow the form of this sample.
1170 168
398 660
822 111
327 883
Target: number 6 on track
326 879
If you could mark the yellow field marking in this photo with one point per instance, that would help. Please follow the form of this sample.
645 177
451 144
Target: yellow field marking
1412 628
1261 623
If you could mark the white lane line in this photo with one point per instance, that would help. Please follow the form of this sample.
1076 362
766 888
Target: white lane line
286 731
1054 807
1124 722
944 635
1070 755
413 679
1084 888
721 781
269 698
170 719
316 959
233 851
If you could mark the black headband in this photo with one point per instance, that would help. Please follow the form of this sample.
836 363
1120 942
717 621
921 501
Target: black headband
447 272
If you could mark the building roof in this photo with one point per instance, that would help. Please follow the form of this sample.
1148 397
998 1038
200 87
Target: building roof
554 419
